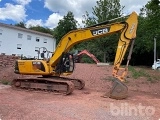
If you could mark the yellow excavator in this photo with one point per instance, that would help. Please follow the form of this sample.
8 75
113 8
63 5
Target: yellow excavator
61 63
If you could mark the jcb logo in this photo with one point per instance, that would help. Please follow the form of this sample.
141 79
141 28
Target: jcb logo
99 31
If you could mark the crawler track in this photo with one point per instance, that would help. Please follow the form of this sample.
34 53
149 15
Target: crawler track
44 84
78 83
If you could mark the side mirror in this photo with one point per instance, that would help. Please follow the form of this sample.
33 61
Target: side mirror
42 55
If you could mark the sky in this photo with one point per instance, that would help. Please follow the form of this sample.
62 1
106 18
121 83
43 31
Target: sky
47 13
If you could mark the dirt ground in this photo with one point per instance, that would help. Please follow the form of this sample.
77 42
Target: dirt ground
143 102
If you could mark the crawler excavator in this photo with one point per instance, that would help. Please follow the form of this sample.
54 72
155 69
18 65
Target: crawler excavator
62 63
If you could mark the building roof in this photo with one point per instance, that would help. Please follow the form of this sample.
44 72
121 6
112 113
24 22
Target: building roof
25 29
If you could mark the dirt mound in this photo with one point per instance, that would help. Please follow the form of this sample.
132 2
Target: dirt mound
7 73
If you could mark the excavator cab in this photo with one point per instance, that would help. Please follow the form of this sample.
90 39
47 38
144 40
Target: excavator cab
66 63
42 55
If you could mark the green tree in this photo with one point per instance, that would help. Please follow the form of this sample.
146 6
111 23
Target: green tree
148 29
36 28
65 25
21 24
103 11
41 29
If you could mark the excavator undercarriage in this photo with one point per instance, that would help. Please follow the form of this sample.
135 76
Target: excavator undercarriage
58 84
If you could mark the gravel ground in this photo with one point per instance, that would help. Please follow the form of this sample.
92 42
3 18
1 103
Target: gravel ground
143 102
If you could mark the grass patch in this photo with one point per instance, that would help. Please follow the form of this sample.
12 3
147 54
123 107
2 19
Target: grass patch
5 82
137 73
141 73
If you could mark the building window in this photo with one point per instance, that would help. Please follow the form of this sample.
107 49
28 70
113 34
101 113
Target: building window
45 41
29 37
37 39
19 46
20 35
0 43
37 49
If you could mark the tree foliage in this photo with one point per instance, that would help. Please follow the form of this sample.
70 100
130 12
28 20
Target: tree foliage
35 28
65 25
107 9
41 29
148 29
21 24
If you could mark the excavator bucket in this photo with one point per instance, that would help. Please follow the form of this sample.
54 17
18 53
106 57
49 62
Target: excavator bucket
119 90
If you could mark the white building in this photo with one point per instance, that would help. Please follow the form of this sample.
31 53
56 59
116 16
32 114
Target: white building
22 41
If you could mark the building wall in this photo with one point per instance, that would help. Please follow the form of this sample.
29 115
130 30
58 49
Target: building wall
10 43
